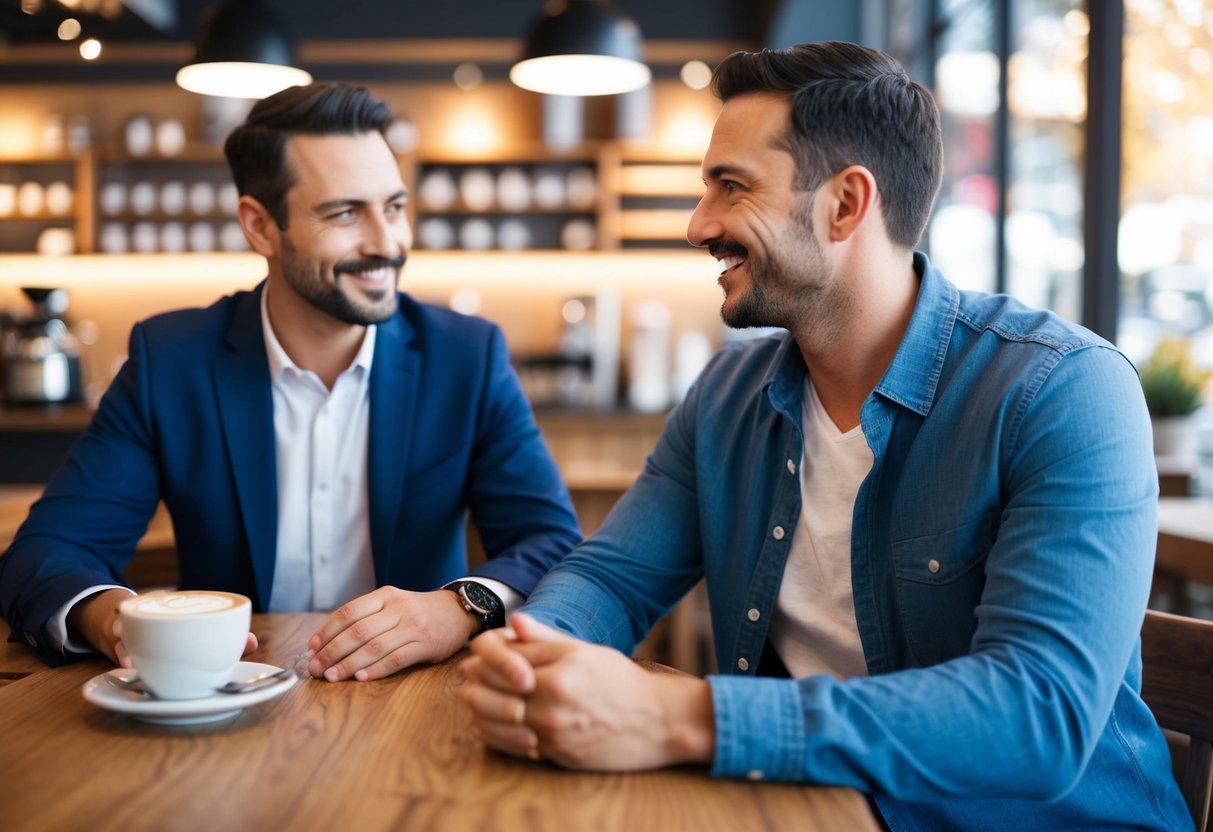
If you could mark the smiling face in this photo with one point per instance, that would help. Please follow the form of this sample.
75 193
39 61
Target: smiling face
756 224
347 235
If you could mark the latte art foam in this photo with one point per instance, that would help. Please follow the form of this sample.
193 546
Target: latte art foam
182 603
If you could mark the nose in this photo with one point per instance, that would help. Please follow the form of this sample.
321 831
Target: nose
704 225
387 236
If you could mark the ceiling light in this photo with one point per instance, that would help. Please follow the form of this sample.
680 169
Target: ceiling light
90 49
69 29
582 47
241 51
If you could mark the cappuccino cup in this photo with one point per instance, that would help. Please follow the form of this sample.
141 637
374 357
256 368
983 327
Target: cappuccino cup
185 644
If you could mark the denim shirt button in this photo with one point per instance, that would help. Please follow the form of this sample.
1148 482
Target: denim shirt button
932 566
755 774
777 533
791 467
742 664
753 615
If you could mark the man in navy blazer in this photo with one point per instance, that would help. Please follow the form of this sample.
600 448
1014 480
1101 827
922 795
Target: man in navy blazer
318 441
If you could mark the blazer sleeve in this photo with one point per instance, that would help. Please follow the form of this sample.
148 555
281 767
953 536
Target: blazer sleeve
518 501
84 529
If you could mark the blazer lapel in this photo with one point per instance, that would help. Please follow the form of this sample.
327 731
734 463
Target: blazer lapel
393 391
246 410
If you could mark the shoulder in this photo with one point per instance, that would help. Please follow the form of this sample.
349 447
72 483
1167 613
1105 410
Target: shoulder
435 323
197 323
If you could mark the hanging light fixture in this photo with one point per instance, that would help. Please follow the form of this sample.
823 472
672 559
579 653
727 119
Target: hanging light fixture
582 47
241 51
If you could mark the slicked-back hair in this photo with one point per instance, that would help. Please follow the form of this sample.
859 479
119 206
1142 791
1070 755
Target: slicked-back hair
851 105
256 150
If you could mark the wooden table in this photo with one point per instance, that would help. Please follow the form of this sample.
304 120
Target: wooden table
1185 548
399 753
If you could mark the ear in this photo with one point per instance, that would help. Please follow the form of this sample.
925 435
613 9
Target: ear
259 227
852 197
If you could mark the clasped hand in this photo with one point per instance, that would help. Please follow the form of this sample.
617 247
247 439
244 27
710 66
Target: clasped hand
536 692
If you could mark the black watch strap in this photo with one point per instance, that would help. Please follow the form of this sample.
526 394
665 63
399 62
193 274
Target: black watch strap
480 602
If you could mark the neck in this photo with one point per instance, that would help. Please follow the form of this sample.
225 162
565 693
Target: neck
313 340
848 357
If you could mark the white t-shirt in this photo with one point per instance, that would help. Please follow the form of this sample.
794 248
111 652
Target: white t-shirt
814 629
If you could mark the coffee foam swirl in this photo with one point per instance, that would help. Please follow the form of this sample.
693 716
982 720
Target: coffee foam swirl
182 603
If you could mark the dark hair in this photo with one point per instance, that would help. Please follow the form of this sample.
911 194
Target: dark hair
256 149
851 105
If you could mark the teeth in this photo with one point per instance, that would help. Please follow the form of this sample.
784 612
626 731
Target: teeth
730 261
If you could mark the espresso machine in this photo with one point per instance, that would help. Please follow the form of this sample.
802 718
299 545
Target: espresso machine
40 359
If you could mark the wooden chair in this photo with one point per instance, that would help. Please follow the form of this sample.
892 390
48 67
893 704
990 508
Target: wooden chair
1177 684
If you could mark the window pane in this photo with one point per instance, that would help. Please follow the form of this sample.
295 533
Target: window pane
1048 103
961 232
1166 226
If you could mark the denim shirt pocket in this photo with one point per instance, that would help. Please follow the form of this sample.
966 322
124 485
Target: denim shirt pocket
940 578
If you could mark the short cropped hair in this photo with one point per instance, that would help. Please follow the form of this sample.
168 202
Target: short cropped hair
851 105
256 149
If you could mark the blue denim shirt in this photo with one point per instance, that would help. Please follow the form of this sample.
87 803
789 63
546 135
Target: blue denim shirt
1001 555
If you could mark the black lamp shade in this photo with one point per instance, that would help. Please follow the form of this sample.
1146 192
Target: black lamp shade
591 29
242 50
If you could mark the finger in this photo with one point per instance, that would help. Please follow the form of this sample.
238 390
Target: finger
121 657
516 740
369 634
506 665
476 669
489 705
250 644
380 667
345 616
530 630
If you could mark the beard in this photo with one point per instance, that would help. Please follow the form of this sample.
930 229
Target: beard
787 288
308 278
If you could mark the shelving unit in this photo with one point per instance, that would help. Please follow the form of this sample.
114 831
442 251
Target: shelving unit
22 228
599 196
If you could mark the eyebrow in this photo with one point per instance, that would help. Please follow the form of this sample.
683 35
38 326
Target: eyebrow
335 204
722 171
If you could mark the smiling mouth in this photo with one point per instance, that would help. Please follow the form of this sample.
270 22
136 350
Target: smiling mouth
729 262
383 274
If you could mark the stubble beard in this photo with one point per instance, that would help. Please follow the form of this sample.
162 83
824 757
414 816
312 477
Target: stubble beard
307 278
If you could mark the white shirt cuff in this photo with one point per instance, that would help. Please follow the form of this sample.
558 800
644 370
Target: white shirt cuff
56 627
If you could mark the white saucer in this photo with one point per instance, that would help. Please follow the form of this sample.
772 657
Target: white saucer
101 691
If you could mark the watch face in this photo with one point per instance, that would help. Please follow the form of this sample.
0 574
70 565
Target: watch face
480 597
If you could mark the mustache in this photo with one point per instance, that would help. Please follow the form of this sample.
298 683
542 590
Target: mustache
369 264
726 248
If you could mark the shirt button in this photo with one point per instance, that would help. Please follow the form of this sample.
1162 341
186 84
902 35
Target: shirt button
755 774
324 486
742 664
791 467
777 533
324 560
753 615
933 566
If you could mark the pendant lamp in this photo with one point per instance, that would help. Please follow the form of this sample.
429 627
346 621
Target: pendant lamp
582 47
241 51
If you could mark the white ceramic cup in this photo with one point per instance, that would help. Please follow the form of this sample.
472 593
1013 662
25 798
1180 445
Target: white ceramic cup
185 644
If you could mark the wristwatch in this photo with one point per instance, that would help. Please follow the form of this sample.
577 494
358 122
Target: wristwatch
481 602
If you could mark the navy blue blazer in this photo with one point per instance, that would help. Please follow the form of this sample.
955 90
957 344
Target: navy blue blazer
189 419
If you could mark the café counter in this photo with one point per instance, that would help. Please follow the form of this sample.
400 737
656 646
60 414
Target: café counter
398 753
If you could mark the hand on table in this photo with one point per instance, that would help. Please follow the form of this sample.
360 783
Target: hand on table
387 630
536 692
96 619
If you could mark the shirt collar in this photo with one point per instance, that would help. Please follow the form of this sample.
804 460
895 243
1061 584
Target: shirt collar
279 360
914 373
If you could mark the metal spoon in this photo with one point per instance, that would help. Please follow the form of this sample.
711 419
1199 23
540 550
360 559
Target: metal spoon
136 685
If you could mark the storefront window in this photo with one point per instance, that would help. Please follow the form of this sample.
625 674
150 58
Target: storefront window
1166 226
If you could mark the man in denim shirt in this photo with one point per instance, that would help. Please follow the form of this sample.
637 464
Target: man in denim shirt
934 510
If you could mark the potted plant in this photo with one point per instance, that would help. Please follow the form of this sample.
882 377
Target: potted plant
1174 389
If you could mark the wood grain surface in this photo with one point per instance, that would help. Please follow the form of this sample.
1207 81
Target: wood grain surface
399 753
